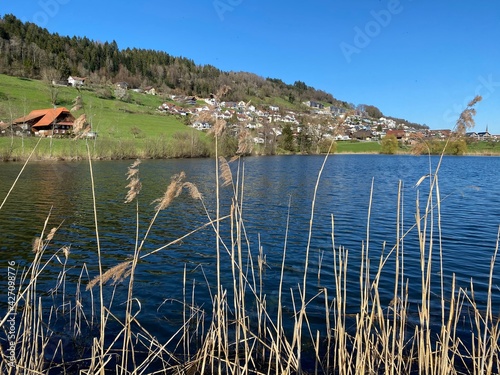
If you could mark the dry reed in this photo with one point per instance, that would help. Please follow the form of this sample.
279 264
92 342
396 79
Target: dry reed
241 333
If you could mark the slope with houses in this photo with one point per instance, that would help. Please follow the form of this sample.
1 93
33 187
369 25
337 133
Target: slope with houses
335 122
264 122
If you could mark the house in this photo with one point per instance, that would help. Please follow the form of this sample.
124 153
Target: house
362 135
314 104
62 82
3 127
150 90
399 134
190 100
10 129
483 136
122 85
337 110
48 122
440 134
76 81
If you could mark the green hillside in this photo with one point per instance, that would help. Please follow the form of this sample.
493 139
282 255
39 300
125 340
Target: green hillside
125 129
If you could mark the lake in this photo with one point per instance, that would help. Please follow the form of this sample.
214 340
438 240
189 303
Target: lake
277 204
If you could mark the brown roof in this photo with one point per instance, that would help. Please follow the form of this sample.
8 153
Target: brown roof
46 117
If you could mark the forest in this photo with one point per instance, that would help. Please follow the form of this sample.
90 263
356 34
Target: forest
27 50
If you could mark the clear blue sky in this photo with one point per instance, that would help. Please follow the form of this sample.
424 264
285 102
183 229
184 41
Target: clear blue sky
421 60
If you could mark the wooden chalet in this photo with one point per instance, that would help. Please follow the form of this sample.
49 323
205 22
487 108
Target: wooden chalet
48 122
398 133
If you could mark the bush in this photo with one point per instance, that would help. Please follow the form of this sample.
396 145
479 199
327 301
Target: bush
187 145
390 145
324 145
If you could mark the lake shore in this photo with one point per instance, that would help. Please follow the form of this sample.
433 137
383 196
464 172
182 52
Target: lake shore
19 149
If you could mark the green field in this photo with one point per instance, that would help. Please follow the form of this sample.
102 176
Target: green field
358 147
484 148
125 129
128 129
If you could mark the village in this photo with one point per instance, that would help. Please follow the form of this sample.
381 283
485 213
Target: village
325 122
262 123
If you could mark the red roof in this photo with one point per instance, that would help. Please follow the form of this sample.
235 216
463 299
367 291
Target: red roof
46 117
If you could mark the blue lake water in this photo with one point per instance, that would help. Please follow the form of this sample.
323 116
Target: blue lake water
469 188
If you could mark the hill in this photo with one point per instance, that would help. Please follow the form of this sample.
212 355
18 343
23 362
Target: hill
27 50
126 129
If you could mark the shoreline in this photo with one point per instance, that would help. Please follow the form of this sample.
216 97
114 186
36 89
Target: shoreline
52 159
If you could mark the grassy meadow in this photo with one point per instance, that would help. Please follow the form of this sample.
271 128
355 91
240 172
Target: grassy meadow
125 129
132 128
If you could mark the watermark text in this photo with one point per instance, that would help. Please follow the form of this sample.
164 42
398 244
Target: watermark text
11 321
49 9
223 6
363 36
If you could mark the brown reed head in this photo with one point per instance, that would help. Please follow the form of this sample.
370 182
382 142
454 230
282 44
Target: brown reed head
172 192
118 273
134 186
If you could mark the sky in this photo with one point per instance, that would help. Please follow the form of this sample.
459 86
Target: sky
419 60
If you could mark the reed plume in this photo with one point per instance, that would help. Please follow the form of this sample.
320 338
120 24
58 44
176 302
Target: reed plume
193 190
51 234
225 172
37 244
172 192
134 186
118 273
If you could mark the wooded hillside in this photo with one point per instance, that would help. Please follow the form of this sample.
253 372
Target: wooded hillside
27 50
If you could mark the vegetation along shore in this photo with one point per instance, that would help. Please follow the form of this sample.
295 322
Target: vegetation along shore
141 103
153 126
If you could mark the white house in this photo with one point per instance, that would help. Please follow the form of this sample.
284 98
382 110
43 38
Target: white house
76 81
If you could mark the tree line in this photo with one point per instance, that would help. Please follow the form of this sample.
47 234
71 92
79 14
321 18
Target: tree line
27 50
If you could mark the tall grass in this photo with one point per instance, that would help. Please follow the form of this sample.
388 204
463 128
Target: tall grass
241 332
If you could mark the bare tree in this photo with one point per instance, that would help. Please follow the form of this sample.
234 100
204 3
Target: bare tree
51 76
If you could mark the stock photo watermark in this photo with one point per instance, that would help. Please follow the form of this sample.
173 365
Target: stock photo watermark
485 88
223 6
363 36
11 323
49 9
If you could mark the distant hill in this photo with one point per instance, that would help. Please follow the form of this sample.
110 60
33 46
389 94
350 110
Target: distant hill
27 50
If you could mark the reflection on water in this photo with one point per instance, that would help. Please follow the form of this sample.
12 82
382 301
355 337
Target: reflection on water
274 186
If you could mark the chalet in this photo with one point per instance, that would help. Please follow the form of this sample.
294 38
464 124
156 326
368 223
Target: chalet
399 134
362 135
48 122
76 81
150 90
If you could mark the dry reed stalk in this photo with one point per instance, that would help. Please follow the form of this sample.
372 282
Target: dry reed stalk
134 187
101 359
20 173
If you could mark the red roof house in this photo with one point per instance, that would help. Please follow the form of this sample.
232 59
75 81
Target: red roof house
46 122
